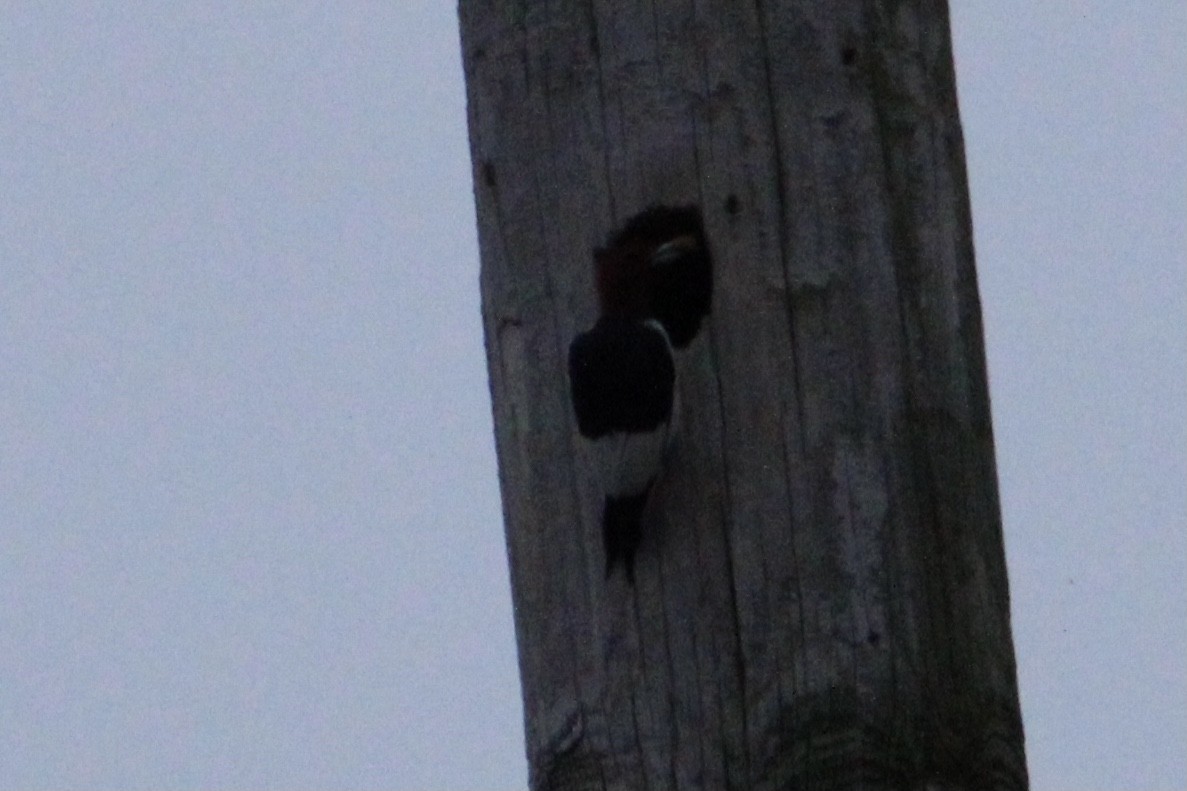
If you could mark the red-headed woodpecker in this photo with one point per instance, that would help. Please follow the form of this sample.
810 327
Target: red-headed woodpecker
655 284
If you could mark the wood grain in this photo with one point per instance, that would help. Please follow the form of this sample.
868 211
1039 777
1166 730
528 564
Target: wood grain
822 598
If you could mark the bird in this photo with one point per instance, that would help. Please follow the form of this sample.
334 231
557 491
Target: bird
654 289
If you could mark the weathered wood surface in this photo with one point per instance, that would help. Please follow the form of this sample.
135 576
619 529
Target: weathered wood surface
822 601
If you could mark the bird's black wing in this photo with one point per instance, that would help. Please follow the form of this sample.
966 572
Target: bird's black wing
621 378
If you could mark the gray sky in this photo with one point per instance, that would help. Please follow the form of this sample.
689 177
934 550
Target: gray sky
250 534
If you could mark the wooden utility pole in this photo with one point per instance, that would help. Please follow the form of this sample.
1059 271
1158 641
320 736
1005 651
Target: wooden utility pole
821 598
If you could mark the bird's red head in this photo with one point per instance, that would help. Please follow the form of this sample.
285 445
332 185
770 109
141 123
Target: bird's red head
622 279
657 266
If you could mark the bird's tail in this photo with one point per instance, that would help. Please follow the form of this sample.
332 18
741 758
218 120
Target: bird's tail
622 531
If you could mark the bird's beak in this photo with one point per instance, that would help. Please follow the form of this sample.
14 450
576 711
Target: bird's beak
670 252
